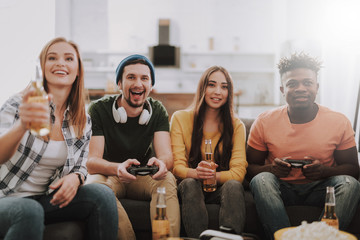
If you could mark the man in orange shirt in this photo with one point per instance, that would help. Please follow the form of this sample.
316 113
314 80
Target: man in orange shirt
309 132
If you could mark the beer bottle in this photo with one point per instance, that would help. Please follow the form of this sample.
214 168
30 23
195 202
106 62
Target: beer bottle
160 224
209 185
40 96
329 211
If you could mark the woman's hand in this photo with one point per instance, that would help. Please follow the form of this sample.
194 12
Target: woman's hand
33 112
206 170
67 188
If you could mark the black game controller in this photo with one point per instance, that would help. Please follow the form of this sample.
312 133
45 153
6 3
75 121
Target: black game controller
297 163
142 170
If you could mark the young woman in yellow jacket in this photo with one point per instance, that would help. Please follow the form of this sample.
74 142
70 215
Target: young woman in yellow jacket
210 117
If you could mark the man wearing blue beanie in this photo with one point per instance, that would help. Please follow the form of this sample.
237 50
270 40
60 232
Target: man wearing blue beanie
129 129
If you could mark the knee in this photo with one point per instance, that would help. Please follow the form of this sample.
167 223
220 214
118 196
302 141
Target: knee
189 187
99 193
264 180
170 179
187 184
233 186
346 183
27 209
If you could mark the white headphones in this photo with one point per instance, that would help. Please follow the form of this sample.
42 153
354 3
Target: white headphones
121 116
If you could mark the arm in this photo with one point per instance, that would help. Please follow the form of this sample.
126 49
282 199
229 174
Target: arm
346 164
238 163
10 141
28 112
164 158
97 165
345 156
180 139
256 160
257 164
162 146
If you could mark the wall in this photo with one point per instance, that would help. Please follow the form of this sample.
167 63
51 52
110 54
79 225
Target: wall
83 21
252 25
25 27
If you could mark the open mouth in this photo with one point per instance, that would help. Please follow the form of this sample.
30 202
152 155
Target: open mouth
216 99
136 94
60 72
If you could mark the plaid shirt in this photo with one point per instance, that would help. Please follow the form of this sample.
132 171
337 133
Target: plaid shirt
31 149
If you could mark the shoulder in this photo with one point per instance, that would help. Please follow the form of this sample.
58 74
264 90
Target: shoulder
158 109
328 117
184 115
272 115
102 102
237 122
155 104
325 112
12 104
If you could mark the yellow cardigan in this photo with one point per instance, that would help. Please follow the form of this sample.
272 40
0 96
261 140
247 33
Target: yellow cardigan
181 127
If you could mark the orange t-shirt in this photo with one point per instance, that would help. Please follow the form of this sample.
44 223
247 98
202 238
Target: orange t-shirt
272 131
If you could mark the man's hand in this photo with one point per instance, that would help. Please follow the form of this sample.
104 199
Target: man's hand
122 172
161 174
313 171
206 170
280 168
68 186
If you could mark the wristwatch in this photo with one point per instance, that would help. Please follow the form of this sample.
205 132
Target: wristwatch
80 178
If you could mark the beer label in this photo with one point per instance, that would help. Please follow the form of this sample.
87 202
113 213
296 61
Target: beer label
160 229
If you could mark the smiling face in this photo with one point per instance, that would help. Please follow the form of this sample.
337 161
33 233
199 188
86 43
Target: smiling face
299 87
135 84
61 65
216 93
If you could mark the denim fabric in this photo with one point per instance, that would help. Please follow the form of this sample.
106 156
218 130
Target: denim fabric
23 218
272 195
230 196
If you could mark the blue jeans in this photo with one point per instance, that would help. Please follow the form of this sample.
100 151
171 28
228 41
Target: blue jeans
230 196
24 218
272 195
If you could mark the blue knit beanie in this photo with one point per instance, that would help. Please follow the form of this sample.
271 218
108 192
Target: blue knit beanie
124 63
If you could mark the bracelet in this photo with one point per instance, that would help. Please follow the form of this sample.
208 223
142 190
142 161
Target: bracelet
80 179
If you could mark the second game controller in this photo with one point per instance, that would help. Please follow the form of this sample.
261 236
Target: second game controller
297 163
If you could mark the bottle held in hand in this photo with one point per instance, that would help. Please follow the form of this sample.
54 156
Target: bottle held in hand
329 211
209 185
39 96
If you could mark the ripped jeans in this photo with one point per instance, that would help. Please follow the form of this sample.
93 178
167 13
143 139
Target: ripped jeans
272 195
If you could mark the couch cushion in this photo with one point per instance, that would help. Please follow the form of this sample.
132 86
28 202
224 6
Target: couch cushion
64 231
138 212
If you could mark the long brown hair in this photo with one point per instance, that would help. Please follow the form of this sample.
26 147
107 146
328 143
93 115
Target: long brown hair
76 98
226 116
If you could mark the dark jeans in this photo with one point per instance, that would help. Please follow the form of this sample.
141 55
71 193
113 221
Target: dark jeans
24 218
230 196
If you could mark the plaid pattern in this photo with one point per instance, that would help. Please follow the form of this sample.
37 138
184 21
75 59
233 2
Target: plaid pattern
31 149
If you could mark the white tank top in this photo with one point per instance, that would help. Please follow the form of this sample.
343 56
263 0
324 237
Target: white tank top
37 183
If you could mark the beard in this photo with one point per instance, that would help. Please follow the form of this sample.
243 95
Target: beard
134 105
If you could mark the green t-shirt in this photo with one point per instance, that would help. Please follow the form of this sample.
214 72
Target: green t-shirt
130 139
